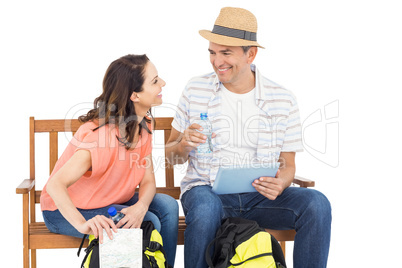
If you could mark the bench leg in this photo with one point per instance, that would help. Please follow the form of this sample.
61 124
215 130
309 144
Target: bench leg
26 257
283 246
33 258
25 215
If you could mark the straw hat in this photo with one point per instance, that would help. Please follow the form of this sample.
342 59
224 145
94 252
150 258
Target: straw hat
233 27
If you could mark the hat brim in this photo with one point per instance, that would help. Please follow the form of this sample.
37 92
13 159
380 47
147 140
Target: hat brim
227 40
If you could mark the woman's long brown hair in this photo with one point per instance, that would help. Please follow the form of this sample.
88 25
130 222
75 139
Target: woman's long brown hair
123 77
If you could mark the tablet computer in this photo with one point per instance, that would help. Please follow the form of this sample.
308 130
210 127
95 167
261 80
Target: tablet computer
231 180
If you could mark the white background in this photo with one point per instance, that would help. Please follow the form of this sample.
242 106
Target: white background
342 55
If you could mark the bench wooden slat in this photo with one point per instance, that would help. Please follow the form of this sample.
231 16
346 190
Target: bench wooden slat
42 238
303 182
58 125
53 149
172 191
72 125
168 167
25 186
162 123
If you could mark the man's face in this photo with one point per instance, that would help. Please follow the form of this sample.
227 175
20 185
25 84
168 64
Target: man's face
231 64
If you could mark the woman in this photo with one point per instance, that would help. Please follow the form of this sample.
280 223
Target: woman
108 157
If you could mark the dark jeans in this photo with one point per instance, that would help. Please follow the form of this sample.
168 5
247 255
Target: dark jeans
305 210
163 212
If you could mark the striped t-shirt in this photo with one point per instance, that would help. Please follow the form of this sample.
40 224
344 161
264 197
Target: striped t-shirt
279 128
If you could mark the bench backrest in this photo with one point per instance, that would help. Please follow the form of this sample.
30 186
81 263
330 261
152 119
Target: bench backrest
54 127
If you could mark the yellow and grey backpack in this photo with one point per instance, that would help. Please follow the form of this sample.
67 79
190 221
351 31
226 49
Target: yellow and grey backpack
153 256
242 243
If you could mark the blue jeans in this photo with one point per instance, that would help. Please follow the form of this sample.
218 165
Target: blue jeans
163 212
305 210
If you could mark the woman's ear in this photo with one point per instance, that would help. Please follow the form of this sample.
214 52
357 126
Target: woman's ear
134 97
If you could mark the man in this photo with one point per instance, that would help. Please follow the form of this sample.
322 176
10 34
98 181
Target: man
253 119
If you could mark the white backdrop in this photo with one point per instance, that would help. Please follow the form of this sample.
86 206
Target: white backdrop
342 59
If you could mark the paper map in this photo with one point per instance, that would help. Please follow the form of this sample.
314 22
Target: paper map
125 250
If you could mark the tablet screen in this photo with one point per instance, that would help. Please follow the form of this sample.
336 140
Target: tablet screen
231 180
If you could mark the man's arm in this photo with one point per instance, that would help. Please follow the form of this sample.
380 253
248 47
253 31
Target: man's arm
180 144
273 187
287 168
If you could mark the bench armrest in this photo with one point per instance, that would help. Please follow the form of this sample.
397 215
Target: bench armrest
25 186
303 182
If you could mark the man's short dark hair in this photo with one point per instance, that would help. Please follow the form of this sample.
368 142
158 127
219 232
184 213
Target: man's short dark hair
246 48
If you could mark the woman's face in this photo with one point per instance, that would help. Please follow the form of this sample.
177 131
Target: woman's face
152 88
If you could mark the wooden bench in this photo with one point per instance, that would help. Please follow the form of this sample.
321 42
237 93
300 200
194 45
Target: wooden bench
37 236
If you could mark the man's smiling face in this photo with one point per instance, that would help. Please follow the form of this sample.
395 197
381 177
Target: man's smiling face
230 63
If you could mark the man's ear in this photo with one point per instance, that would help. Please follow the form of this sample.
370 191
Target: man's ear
134 97
252 53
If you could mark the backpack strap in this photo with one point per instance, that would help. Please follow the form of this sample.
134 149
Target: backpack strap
252 258
154 246
153 262
88 250
82 243
277 252
227 242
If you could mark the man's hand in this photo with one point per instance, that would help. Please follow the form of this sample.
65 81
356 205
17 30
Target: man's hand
270 187
192 138
180 144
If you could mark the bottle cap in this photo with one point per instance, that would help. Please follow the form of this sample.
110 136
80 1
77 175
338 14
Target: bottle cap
112 211
203 115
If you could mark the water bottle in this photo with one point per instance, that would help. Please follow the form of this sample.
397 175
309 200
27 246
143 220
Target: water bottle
204 149
115 215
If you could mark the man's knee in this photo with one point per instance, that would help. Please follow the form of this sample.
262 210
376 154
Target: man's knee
201 206
205 213
319 205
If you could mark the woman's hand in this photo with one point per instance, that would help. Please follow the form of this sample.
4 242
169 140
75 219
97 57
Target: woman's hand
96 225
134 215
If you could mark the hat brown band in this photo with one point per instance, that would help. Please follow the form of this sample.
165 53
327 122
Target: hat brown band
246 35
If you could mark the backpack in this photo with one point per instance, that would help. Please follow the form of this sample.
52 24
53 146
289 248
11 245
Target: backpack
153 256
243 243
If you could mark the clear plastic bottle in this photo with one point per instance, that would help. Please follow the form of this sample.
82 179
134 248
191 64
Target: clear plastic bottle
205 149
115 215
